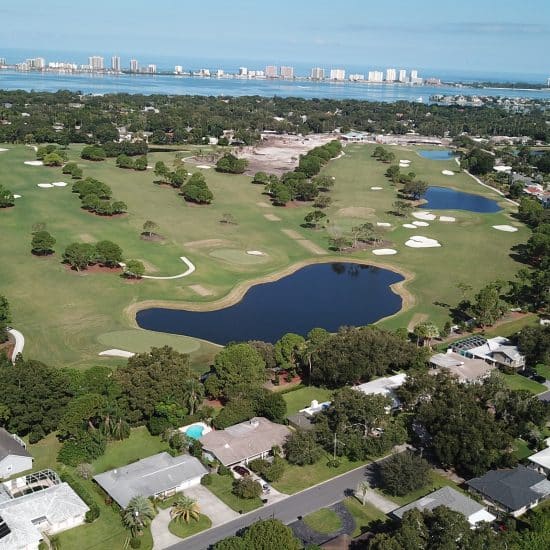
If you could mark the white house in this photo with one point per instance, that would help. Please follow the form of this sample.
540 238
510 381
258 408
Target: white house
14 457
541 461
383 386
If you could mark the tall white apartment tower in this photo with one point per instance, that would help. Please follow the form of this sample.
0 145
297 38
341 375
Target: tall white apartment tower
134 65
271 71
391 75
402 75
337 74
287 72
96 62
115 63
317 73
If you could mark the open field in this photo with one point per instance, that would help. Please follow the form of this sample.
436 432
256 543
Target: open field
68 318
303 396
519 382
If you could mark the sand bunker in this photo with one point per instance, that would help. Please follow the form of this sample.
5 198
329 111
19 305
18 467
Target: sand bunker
116 353
376 188
311 246
383 224
447 219
507 228
236 256
409 226
384 252
204 166
2 149
255 253
272 217
404 161
426 216
421 224
59 184
34 163
201 290
447 172
418 241
45 185
292 234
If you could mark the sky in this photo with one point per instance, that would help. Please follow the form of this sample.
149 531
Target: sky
486 36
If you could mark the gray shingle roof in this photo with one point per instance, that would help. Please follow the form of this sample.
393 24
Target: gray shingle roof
10 446
512 488
149 476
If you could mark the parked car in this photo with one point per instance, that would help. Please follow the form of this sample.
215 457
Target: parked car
241 470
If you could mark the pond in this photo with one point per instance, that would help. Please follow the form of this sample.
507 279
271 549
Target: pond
320 295
442 198
436 154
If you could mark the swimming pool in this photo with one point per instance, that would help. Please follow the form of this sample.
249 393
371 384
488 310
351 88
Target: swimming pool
195 432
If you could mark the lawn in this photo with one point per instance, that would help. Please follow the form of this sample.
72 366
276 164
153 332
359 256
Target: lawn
140 444
543 370
521 450
184 530
298 478
303 396
518 382
323 521
363 515
222 485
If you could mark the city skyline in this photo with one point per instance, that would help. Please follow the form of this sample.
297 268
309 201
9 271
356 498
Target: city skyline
491 39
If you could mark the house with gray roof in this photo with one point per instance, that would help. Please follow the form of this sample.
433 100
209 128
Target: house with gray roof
473 511
14 457
466 370
513 491
160 475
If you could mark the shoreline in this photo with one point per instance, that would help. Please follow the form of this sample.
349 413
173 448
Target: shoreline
237 293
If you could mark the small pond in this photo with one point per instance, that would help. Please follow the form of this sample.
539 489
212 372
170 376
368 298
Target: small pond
436 154
442 198
320 295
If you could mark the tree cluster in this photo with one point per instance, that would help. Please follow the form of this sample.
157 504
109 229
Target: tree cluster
81 255
96 197
230 164
125 161
196 190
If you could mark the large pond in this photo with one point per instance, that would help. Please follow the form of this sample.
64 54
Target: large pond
442 198
321 295
436 154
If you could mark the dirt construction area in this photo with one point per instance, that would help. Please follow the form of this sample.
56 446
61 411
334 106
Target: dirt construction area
278 154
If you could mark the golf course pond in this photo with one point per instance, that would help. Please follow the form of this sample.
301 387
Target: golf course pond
327 295
436 154
443 198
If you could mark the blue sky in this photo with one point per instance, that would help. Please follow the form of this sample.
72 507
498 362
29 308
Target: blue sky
473 35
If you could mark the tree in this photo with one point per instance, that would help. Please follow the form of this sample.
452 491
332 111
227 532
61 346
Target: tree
487 306
124 161
393 173
270 534
322 201
93 152
280 194
79 255
533 342
108 253
339 242
149 228
76 173
477 161
301 448
196 190
402 208
5 318
140 163
138 515
134 269
6 197
315 218
162 171
364 233
323 182
184 509
415 189
287 351
261 178
404 472
82 413
42 243
246 487
426 332
69 167
231 164
193 393
53 159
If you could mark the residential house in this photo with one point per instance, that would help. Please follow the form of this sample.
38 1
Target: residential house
303 419
14 457
497 351
244 442
384 386
160 475
513 491
465 369
541 461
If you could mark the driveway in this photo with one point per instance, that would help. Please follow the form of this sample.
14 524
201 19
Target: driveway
211 505
162 538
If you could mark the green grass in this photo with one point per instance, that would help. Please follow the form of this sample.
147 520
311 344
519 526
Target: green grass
521 450
518 382
303 396
323 521
139 445
222 485
543 370
364 516
297 478
184 530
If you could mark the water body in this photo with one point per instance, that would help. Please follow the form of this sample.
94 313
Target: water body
321 295
436 154
442 198
181 85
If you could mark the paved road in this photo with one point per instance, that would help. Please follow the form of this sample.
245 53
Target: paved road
19 342
287 510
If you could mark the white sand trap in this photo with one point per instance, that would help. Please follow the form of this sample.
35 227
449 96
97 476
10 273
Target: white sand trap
404 161
447 172
383 224
45 185
426 216
34 163
447 219
409 226
376 188
59 184
507 228
17 196
384 252
421 224
116 353
417 241
204 166
2 149
255 253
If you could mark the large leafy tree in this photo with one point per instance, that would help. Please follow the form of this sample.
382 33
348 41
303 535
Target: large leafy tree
79 255
301 448
42 243
5 317
271 534
404 472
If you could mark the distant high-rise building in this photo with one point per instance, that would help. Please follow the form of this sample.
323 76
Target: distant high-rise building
271 71
414 73
151 68
355 77
115 63
375 76
415 79
317 73
402 75
243 71
287 72
134 66
3 61
178 69
219 73
96 62
391 75
337 74
36 63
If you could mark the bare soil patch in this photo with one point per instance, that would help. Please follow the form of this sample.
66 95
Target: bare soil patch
311 246
355 212
94 269
87 238
149 267
201 290
207 243
292 234
272 217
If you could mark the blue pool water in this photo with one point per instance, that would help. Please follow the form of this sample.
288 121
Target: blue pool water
322 295
442 198
194 432
436 154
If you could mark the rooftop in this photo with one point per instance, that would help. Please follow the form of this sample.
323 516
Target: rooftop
383 386
482 348
542 458
11 445
149 476
466 369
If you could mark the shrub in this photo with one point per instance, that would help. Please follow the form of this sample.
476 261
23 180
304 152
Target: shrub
135 542
84 494
245 487
36 435
158 424
223 470
206 479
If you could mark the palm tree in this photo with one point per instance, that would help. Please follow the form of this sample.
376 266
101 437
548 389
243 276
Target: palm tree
138 514
120 429
185 508
193 394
